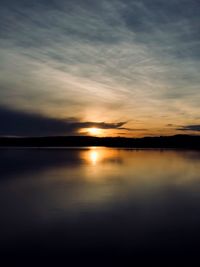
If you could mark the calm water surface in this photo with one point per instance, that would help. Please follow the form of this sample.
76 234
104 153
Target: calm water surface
137 204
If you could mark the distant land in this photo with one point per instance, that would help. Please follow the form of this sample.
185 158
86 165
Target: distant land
176 142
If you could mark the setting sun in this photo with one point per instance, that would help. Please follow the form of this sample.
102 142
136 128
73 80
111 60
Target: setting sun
94 131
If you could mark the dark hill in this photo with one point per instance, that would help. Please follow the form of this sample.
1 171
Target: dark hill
177 141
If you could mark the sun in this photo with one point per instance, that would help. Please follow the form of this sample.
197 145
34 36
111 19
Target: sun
94 131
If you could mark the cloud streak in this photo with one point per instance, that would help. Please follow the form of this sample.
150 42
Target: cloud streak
193 128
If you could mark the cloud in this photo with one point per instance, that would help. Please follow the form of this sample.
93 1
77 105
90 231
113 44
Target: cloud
108 60
195 128
17 123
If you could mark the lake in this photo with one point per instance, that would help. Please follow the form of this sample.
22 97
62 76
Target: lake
100 204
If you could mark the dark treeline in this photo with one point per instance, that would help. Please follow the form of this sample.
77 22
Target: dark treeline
177 141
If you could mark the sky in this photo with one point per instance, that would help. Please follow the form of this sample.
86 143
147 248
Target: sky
127 67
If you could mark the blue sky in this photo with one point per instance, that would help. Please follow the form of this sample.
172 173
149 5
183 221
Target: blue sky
100 63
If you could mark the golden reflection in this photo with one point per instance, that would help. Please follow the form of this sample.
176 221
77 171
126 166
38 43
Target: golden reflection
97 155
94 156
99 160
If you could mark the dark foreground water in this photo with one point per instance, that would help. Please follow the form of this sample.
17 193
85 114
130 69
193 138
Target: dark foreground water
100 206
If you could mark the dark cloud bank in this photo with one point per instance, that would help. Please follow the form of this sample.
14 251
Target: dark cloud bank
18 123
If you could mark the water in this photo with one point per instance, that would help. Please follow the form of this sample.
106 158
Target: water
101 202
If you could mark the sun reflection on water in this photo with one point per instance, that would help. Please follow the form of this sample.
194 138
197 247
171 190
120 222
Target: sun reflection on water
94 157
97 155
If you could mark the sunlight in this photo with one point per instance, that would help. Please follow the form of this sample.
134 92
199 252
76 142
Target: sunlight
94 156
94 131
